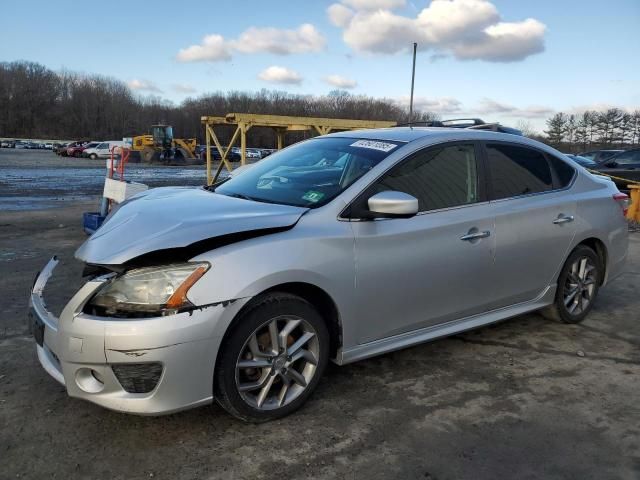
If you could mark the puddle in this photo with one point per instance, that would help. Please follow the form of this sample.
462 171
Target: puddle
32 188
10 256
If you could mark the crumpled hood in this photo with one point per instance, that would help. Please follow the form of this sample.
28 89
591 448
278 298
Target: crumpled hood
173 217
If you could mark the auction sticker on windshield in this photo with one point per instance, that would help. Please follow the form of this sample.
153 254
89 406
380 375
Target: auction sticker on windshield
374 145
313 196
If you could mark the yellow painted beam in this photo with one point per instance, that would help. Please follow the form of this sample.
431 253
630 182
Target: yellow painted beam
285 121
281 124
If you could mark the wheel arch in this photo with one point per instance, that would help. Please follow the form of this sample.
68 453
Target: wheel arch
313 294
600 248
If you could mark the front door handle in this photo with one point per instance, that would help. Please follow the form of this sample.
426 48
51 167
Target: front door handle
563 219
469 237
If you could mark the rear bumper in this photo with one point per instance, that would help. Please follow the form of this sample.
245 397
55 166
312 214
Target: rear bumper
174 356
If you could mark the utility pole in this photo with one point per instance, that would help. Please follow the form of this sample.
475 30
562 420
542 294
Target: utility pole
413 77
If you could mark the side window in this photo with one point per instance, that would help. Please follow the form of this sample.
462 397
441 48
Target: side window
516 171
102 146
437 177
564 171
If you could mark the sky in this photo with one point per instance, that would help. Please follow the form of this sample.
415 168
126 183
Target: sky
502 60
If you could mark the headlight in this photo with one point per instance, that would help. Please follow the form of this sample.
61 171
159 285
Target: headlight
155 290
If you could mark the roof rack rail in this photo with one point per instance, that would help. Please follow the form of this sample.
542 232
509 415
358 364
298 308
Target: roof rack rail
470 123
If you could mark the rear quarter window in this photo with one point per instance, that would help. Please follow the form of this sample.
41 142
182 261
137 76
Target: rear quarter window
516 170
564 172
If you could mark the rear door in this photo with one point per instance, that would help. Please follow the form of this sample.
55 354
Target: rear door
534 219
416 272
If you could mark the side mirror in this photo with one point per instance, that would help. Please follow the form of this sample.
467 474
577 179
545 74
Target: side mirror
611 164
392 204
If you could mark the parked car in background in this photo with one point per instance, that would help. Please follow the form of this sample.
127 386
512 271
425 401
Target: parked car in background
340 247
267 151
584 161
48 145
600 155
76 151
8 144
62 150
232 156
625 165
102 149
20 144
254 153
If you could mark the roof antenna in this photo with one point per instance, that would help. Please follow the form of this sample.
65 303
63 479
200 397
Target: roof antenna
413 77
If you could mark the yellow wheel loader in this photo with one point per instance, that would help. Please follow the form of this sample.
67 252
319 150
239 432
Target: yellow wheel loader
160 144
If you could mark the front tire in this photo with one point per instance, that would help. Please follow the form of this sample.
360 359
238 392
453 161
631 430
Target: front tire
272 359
578 286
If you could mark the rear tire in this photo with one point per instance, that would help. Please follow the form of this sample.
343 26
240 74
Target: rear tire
578 285
93 156
259 379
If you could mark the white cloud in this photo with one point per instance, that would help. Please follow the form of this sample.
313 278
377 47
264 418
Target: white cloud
441 106
489 106
339 15
276 74
374 4
213 48
504 42
445 21
341 82
304 39
143 85
468 29
183 88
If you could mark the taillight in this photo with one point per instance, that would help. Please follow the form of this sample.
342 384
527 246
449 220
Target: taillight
623 201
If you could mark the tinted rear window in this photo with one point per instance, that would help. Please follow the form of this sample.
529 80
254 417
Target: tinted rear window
516 171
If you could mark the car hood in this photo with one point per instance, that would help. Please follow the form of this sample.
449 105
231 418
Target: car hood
176 217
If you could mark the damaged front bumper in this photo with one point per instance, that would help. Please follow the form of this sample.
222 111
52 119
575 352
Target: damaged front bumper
146 366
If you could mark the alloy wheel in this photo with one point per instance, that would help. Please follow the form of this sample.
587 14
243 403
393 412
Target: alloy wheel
580 285
277 362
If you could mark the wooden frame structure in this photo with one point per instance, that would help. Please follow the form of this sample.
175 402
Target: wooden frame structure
280 123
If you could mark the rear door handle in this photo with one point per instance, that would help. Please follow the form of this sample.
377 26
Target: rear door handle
563 219
475 236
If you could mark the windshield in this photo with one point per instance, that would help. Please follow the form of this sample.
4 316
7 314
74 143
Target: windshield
308 174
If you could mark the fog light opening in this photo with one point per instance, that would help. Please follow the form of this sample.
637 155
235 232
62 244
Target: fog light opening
89 380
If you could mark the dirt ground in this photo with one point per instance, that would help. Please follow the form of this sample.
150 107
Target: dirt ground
527 398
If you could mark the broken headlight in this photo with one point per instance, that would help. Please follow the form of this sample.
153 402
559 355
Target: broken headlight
153 290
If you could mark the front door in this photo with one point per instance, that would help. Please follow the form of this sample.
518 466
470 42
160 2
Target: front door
436 266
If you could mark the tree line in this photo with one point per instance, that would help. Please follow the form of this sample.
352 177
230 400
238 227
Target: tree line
36 102
592 129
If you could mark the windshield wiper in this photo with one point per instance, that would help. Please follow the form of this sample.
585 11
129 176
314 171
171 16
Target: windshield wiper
240 195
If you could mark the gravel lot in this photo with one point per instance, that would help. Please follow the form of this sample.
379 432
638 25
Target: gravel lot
527 398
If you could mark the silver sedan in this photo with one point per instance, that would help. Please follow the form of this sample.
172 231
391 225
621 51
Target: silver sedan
337 248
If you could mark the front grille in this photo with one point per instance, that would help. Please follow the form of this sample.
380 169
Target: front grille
138 377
